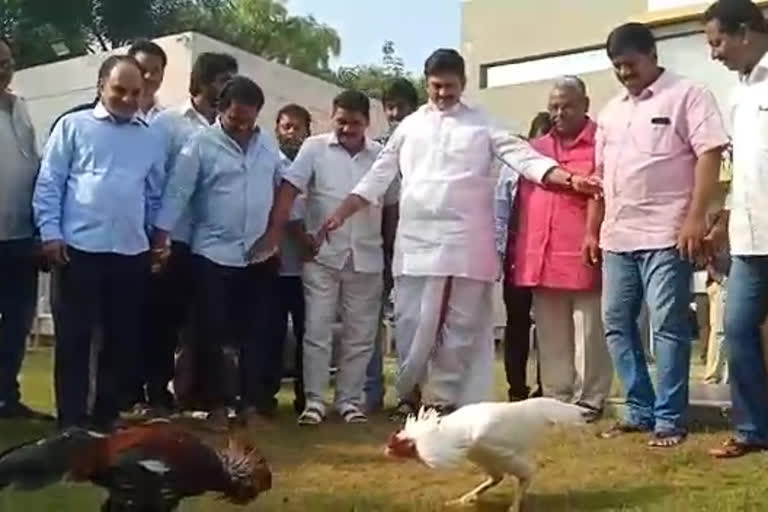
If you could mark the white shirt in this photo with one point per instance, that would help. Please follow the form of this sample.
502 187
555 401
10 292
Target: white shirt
447 200
327 173
748 200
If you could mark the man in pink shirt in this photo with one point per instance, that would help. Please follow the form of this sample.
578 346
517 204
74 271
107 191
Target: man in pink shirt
574 359
659 144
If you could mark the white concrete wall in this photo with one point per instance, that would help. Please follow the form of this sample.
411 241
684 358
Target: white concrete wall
53 88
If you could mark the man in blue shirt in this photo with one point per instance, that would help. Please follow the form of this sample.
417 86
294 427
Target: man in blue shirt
99 188
226 175
170 291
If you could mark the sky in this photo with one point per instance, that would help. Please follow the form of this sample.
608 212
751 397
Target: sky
417 27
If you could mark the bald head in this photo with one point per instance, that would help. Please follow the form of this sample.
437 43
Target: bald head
568 106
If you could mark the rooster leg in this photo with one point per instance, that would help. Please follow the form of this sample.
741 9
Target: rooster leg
522 489
472 495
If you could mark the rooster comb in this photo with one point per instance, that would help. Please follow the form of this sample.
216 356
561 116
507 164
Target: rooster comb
238 460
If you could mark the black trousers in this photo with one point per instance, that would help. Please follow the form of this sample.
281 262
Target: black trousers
234 308
516 340
106 289
18 297
290 302
169 299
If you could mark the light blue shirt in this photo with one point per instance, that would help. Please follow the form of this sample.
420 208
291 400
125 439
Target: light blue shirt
174 128
229 192
291 257
504 200
100 183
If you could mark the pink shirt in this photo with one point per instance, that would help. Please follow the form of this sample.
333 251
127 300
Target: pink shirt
647 148
552 222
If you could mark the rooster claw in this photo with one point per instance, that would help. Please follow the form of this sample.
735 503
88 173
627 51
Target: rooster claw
464 501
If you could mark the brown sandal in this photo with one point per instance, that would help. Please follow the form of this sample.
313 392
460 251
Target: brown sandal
733 448
667 439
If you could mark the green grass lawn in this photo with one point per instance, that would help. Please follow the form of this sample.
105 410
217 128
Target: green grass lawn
342 468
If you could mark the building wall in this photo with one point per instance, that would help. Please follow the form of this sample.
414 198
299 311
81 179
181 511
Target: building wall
53 88
512 70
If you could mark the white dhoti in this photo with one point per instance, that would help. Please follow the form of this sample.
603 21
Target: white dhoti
444 334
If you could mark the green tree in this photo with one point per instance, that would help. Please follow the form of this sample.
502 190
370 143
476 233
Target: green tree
47 30
373 79
265 27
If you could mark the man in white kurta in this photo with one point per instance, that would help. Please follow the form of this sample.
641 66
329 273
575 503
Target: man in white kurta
445 260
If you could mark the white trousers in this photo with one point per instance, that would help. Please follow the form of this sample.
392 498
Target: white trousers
445 349
717 359
574 358
357 296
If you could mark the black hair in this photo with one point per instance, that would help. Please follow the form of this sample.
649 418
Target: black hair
207 67
241 90
401 89
630 37
353 100
736 15
541 124
297 111
148 47
445 60
112 61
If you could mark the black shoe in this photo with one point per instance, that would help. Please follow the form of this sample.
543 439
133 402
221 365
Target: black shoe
19 411
591 414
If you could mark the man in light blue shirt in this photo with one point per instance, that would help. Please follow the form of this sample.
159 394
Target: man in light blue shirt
170 291
227 176
97 193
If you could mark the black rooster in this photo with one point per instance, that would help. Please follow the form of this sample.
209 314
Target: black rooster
147 468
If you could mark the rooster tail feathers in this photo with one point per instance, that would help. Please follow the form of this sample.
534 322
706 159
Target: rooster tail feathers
36 464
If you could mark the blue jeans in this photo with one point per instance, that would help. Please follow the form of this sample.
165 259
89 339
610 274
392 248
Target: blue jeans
664 278
745 310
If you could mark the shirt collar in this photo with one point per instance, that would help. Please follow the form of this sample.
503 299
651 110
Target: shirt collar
369 146
652 89
459 106
189 111
758 73
101 112
586 134
255 137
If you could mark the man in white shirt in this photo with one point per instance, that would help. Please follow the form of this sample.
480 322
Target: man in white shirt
346 273
737 34
445 260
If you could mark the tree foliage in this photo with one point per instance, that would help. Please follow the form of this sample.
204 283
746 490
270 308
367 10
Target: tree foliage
373 79
48 30
263 27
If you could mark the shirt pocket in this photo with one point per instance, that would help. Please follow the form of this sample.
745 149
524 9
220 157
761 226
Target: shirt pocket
762 126
654 135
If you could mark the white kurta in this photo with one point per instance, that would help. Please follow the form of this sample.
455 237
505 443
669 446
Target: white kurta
446 229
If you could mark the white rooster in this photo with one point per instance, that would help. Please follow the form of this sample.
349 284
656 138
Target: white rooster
496 436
